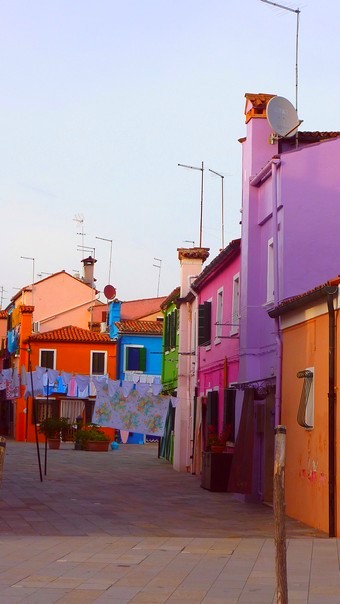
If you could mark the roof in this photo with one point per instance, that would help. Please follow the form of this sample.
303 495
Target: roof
3 314
137 309
171 297
312 295
72 335
29 287
223 258
153 328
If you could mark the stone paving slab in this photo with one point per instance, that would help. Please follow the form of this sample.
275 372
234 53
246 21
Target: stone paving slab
124 527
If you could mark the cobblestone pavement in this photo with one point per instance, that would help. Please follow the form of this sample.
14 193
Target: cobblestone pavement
124 527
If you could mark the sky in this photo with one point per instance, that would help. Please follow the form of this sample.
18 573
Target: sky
102 99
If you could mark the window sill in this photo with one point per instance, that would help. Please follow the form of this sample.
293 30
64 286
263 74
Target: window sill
217 341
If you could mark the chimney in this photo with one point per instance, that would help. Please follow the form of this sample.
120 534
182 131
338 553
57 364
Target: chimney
88 270
191 261
256 105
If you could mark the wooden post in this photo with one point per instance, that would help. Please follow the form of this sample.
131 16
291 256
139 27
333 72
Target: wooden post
279 516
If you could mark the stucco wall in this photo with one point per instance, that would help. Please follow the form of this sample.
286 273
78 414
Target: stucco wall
305 345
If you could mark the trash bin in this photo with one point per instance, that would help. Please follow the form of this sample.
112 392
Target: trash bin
2 455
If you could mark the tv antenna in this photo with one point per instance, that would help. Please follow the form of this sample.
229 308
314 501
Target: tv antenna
201 211
79 219
297 12
159 266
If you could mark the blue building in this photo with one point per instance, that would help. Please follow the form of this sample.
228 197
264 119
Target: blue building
139 342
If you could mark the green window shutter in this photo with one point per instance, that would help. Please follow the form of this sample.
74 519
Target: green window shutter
142 359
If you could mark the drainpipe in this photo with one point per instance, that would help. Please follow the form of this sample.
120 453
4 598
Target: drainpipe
275 163
331 292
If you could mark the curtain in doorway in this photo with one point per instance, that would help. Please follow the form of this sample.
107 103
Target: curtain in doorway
240 480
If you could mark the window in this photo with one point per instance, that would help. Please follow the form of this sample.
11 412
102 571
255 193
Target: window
235 305
171 326
135 358
44 408
98 362
305 414
204 324
219 313
270 271
47 358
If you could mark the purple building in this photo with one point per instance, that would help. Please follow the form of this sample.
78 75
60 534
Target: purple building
290 244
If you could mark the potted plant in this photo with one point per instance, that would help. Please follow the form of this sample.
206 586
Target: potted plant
53 429
217 441
91 438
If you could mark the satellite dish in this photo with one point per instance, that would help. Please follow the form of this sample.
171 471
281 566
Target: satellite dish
282 116
109 292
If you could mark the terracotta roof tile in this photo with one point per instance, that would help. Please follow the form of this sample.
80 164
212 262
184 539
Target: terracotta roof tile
3 314
136 309
143 327
309 296
71 334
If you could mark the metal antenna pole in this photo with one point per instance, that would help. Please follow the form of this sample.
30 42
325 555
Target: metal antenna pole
201 208
159 266
297 12
110 261
33 261
222 206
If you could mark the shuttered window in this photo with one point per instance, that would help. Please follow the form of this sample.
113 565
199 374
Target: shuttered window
204 324
135 358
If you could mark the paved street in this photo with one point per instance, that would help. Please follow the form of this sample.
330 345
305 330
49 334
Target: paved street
123 527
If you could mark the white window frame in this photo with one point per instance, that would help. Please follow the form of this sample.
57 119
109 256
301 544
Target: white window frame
219 314
104 352
270 271
54 350
235 305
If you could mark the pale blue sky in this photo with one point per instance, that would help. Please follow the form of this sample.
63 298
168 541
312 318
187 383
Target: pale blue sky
100 100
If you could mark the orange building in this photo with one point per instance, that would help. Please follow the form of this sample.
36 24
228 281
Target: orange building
310 383
69 349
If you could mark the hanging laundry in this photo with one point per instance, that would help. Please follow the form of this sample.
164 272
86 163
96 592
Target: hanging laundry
156 389
126 388
174 400
82 381
66 377
2 382
72 387
113 386
144 415
142 389
35 380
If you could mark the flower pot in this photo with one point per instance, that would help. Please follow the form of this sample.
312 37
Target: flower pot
54 443
217 448
97 445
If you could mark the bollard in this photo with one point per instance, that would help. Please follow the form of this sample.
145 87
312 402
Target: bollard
2 455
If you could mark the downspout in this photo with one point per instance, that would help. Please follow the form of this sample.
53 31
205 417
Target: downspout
275 163
331 292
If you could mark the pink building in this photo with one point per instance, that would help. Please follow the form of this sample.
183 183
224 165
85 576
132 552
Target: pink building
217 289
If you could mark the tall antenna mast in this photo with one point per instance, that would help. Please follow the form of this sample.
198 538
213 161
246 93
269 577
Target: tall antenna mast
297 12
79 219
201 205
159 266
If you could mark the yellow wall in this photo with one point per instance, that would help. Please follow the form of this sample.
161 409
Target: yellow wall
305 345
